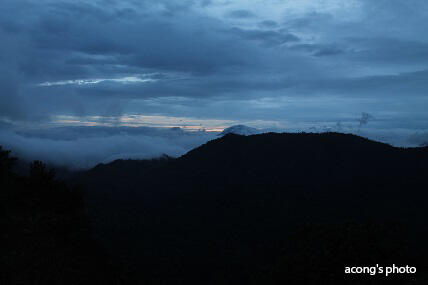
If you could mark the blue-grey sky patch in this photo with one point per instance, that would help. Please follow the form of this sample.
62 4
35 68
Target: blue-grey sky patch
241 14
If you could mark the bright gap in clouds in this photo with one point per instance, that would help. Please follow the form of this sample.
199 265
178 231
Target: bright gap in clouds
136 120
143 78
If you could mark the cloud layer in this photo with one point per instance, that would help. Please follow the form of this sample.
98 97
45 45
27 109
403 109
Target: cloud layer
275 64
84 147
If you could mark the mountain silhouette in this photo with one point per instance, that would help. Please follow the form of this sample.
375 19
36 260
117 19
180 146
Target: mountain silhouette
290 208
232 204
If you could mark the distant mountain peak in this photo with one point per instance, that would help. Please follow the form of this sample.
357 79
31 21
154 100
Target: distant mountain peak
240 130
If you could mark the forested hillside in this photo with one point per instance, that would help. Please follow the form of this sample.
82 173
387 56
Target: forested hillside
261 209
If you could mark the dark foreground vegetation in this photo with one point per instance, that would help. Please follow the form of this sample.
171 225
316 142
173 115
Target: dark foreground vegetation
261 209
45 233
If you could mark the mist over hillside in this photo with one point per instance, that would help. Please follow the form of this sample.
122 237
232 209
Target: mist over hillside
82 147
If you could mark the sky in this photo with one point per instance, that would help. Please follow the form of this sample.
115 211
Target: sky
357 66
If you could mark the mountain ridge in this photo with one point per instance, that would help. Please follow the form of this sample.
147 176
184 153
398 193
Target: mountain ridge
236 200
261 209
282 152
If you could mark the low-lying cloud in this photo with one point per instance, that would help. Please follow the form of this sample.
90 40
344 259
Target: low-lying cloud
84 147
79 147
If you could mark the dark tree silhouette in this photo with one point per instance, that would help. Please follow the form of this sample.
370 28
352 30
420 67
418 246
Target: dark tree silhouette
45 234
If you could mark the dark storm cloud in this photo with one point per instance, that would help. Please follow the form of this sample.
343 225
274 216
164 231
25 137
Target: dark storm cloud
67 41
59 31
91 58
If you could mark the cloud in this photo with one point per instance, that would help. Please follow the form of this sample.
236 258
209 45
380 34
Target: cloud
241 14
319 49
127 79
84 147
269 37
364 120
419 138
287 62
268 24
